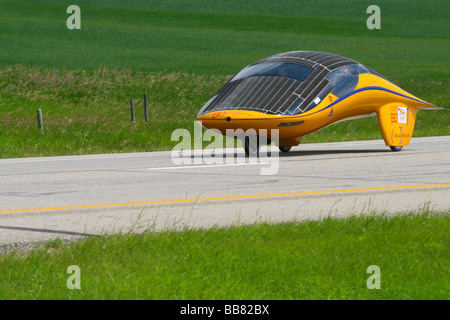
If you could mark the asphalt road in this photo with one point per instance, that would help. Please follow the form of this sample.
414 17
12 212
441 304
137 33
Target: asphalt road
76 196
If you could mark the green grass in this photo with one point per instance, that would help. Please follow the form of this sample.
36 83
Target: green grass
88 112
222 36
326 259
180 53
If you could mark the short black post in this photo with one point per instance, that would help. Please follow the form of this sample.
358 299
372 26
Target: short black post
145 108
40 121
132 110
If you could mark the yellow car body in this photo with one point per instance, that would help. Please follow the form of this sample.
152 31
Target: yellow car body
370 94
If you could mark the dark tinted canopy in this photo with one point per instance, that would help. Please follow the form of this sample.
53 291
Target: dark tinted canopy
284 69
287 83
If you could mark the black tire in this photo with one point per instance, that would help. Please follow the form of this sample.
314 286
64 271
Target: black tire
251 149
395 149
285 149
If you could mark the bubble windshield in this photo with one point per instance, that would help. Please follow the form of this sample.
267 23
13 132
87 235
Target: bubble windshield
282 69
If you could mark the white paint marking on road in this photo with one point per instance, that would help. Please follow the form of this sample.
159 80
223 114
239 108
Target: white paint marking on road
82 158
206 166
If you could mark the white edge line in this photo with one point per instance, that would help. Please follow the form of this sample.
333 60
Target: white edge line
206 166
305 147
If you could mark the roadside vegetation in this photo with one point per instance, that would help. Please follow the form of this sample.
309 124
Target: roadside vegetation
180 53
326 259
89 112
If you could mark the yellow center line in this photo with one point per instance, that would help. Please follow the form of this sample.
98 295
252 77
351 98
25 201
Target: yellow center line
227 198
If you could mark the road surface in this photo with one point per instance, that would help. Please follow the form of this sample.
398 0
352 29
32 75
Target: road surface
76 196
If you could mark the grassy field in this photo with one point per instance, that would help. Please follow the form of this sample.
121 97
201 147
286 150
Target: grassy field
180 53
325 259
221 37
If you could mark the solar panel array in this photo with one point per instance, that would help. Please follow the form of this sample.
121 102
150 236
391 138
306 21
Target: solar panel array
276 94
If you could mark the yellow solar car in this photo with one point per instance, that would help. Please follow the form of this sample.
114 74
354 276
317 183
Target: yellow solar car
300 92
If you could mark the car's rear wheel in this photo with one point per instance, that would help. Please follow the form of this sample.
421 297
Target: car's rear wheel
285 149
395 149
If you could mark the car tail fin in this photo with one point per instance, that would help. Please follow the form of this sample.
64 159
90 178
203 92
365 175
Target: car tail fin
396 122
